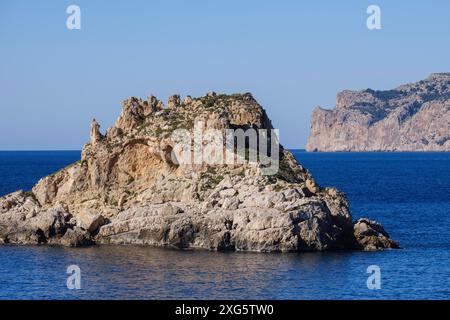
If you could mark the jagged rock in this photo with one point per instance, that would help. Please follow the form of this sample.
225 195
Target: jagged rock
43 225
370 235
174 101
412 117
227 193
153 105
187 100
76 237
113 133
132 187
95 132
132 114
311 185
90 221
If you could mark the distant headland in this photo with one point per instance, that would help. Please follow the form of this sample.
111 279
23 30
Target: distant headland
412 117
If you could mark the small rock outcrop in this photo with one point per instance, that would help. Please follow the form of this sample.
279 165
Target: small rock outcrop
370 235
95 135
132 187
412 117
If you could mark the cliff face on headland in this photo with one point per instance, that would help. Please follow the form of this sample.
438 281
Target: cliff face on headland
412 117
129 188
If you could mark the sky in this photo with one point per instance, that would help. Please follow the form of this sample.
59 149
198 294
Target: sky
291 55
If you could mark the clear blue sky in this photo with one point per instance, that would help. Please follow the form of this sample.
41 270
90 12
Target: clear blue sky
292 55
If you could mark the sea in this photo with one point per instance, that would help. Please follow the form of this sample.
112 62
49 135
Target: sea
409 193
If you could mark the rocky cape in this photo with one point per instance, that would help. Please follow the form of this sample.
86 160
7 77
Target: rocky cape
412 117
127 189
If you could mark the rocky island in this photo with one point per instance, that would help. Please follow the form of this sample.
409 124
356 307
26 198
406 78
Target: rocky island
412 117
130 188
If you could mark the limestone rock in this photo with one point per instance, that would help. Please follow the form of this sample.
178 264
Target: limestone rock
76 237
90 221
412 117
153 105
131 187
370 235
95 132
174 101
187 100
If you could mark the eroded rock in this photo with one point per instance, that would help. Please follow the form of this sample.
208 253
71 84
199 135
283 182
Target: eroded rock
370 235
129 187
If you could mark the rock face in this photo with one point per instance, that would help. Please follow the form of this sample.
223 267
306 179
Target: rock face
412 117
130 188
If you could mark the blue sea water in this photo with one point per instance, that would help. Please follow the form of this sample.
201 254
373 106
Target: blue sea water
409 193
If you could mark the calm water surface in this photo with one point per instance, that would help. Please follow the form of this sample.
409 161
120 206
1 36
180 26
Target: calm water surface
409 193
